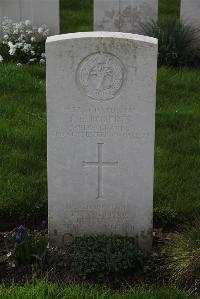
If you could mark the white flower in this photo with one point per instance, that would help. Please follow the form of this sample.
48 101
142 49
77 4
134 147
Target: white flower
42 61
19 25
27 48
28 23
12 49
19 45
46 32
22 37
32 60
40 30
33 39
19 64
10 44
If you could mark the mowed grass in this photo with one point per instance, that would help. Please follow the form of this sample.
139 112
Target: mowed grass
44 290
23 179
169 9
77 15
23 175
177 155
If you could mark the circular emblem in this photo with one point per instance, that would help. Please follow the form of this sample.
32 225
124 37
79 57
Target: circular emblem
100 76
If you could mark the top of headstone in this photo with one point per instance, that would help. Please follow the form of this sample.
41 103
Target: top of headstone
102 34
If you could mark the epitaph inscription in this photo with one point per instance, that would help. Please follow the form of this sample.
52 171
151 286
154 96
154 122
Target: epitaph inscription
100 76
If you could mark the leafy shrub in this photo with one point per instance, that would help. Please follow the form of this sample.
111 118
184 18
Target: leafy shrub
101 254
183 262
26 246
22 42
179 44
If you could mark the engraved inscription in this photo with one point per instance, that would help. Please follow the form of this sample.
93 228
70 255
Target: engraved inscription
88 122
100 164
100 76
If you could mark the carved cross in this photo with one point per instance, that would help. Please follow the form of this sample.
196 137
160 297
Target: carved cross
100 164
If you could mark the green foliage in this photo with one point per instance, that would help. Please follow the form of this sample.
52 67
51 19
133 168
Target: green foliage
102 254
27 246
46 290
22 42
183 258
179 44
23 57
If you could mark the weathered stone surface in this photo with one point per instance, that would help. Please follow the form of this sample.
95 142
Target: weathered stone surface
190 12
124 15
101 91
39 12
11 9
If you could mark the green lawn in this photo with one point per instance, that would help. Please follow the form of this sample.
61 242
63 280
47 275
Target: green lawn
169 9
23 183
76 15
44 290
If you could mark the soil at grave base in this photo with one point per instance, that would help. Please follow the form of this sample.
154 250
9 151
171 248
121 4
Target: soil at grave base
57 268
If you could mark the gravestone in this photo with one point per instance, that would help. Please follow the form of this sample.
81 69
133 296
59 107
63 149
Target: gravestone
39 12
101 91
190 13
124 15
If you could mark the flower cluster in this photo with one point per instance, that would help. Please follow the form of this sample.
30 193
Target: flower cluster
22 42
25 245
22 233
19 233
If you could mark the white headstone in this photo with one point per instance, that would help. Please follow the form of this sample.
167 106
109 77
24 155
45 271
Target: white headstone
101 94
39 12
190 12
124 15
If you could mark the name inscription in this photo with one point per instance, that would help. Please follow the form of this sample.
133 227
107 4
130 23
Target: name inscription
100 122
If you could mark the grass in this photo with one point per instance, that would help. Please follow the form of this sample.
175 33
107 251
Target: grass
23 182
177 163
43 290
169 9
76 15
